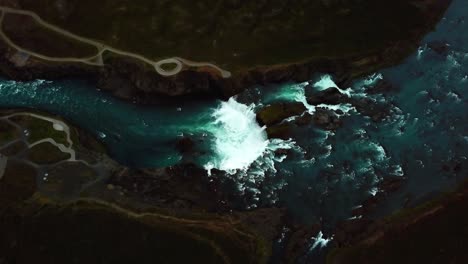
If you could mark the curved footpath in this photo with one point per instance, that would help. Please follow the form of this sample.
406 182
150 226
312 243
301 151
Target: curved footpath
97 60
57 125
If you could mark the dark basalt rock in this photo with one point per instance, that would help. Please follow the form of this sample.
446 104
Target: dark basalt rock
330 96
371 108
275 113
326 119
322 118
185 145
282 131
382 87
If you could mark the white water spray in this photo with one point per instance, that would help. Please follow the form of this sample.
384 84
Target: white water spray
242 148
239 139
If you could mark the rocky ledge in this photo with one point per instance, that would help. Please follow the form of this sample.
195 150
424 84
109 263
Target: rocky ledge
133 80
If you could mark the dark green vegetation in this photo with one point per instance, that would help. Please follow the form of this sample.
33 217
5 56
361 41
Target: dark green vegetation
34 37
14 149
40 230
435 232
46 153
62 233
40 129
239 35
7 132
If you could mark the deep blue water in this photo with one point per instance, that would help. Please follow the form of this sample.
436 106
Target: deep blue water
424 139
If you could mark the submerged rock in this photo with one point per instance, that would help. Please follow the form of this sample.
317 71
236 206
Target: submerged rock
282 131
185 145
275 113
382 87
439 47
326 119
371 108
329 96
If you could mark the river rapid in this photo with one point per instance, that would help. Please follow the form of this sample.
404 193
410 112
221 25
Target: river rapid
323 175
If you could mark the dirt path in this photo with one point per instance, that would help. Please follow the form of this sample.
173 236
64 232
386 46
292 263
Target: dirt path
57 125
97 60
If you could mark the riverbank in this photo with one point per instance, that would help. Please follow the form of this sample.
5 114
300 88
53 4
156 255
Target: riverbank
434 232
132 80
55 198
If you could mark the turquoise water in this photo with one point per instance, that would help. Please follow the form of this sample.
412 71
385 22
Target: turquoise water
423 139
136 136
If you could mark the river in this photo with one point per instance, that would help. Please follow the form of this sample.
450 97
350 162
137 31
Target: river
324 175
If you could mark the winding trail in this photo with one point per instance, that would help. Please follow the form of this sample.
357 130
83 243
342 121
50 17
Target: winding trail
56 124
97 60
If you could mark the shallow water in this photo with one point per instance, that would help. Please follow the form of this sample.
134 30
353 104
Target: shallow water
326 174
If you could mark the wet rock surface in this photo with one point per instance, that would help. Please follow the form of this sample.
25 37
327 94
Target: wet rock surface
329 96
275 113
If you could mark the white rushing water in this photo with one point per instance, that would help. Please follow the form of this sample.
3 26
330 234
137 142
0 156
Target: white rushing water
242 147
239 139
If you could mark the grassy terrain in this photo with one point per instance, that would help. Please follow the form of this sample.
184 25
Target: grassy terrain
40 129
44 231
46 153
17 184
435 232
14 149
34 37
7 132
235 34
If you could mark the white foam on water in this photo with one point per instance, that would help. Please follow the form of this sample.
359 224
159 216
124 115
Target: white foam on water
421 50
242 148
326 82
345 108
373 191
239 139
287 92
320 241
